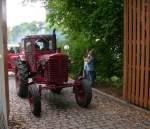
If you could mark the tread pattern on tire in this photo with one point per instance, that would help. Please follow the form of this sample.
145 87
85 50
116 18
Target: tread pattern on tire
87 86
36 99
22 74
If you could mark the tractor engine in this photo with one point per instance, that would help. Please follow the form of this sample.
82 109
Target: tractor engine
54 68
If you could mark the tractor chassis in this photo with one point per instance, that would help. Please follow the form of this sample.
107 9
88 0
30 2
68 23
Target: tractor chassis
81 88
53 87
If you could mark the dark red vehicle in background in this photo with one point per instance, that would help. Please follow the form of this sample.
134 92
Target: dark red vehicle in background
40 65
13 50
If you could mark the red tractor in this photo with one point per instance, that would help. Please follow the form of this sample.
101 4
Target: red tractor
40 65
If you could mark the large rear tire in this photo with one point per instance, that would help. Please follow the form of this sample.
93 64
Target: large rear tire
83 93
34 100
21 77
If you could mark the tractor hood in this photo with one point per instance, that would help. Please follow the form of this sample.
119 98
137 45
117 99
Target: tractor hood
44 58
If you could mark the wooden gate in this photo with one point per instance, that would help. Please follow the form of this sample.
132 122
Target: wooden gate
137 52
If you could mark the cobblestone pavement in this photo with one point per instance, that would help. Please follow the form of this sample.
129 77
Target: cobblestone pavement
62 112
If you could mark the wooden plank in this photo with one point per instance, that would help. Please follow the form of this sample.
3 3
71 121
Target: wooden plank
149 91
126 29
146 89
134 52
149 52
138 52
130 50
142 55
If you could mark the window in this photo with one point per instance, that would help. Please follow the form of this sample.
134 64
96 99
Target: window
42 45
28 47
21 44
39 45
50 45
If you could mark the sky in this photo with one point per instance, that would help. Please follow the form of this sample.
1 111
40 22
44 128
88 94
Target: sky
17 13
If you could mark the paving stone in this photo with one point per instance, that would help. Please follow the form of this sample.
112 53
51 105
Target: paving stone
62 112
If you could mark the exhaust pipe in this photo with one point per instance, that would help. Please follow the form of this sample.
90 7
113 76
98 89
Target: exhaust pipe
54 44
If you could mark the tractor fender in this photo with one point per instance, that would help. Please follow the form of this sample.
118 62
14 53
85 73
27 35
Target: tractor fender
22 57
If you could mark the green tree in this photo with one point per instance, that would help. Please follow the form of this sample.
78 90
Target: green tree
91 23
19 31
96 24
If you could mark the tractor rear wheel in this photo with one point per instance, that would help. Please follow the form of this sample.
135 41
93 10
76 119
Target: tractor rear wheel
83 93
21 77
34 99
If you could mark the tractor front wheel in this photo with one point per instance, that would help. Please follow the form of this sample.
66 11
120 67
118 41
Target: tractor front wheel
34 99
83 93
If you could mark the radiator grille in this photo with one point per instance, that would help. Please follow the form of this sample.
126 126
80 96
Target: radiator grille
57 71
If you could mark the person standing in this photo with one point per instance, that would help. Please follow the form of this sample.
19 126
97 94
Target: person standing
91 74
85 58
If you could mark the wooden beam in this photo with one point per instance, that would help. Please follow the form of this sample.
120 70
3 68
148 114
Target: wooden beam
126 37
5 54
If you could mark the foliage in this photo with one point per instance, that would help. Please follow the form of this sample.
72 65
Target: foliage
97 24
91 23
19 31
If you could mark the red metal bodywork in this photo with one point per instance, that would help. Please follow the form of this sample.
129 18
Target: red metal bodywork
40 66
11 57
53 65
12 52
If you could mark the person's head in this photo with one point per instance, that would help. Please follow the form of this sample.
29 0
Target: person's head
87 50
90 52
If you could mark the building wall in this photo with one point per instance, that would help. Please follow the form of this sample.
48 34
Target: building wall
3 80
